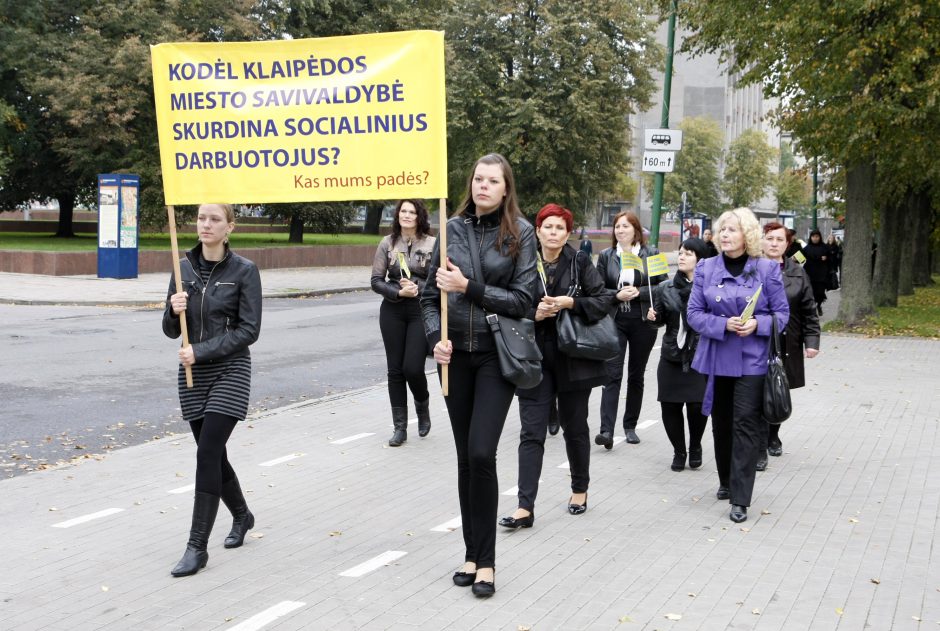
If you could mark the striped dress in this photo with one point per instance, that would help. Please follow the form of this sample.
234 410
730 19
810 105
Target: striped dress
222 386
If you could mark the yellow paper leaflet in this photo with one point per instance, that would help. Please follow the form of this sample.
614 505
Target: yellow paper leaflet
798 257
403 264
629 260
657 265
751 304
305 120
541 268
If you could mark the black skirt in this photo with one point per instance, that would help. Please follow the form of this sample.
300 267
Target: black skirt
222 387
676 386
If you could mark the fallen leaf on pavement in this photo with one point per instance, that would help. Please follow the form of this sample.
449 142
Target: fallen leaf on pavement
673 616
839 610
875 581
755 611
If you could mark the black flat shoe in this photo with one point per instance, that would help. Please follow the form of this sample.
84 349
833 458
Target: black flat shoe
695 457
762 462
578 509
775 449
464 579
738 513
483 589
678 461
724 493
606 439
632 438
522 522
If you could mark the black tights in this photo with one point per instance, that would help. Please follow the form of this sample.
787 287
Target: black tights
212 465
674 424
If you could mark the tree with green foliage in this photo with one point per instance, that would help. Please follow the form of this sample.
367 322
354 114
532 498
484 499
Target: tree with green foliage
858 83
792 190
696 169
748 165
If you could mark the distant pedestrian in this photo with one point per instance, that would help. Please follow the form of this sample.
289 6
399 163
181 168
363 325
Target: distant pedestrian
586 245
801 336
221 298
817 267
835 262
710 249
479 396
399 271
732 351
568 380
795 245
630 302
679 384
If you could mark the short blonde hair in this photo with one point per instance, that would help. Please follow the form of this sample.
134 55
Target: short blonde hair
750 227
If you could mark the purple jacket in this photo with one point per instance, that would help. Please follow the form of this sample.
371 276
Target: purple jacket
717 296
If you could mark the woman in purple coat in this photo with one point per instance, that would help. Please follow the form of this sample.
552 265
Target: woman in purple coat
732 351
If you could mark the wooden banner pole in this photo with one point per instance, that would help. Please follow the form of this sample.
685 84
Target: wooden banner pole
442 244
171 216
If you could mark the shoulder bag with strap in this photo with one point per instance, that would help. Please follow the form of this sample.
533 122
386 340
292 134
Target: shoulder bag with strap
582 339
777 404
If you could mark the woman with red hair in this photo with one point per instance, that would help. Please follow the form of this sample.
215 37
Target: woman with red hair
568 281
631 297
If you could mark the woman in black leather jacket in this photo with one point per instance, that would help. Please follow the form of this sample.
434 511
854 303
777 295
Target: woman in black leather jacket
678 383
479 396
570 379
221 298
630 303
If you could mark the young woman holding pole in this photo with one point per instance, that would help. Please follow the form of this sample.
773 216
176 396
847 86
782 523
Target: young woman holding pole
479 396
221 303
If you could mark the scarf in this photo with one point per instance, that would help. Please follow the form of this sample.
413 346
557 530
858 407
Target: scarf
627 276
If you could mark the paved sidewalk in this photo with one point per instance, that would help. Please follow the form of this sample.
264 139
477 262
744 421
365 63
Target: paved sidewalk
352 534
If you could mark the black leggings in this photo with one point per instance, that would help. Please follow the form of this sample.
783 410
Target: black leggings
640 337
478 401
675 424
405 350
212 466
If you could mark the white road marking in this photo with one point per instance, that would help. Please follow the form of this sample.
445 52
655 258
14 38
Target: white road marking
515 490
449 526
84 518
183 489
268 616
563 465
373 564
349 439
277 461
619 440
647 423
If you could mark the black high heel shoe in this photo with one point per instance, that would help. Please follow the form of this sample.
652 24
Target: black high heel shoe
522 522
577 509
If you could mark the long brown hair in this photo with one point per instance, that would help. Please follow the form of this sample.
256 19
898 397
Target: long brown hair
638 236
422 225
508 230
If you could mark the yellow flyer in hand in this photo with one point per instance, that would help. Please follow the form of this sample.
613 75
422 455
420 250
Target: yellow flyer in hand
629 260
798 257
403 264
749 309
541 268
657 265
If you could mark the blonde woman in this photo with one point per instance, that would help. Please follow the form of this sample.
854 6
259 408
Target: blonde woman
732 351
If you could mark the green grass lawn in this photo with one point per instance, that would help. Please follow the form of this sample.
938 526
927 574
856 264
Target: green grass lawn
915 316
89 242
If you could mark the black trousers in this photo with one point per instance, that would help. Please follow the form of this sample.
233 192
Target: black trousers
406 348
640 337
212 466
534 406
736 427
478 401
675 424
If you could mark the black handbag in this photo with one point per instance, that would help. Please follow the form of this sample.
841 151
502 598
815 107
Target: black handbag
580 338
520 359
777 404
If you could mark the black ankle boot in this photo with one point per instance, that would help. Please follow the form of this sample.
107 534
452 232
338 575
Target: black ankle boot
678 460
195 557
400 421
242 519
695 457
424 417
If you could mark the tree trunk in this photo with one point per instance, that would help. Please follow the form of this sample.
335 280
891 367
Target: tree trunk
907 246
923 229
66 208
855 299
296 229
373 218
884 287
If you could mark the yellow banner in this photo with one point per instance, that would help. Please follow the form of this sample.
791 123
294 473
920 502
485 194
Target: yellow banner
629 260
338 118
657 265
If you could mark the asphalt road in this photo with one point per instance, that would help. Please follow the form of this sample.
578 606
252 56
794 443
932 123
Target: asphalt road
78 381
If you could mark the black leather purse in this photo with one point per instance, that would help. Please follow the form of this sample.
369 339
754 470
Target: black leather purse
580 338
520 359
777 404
